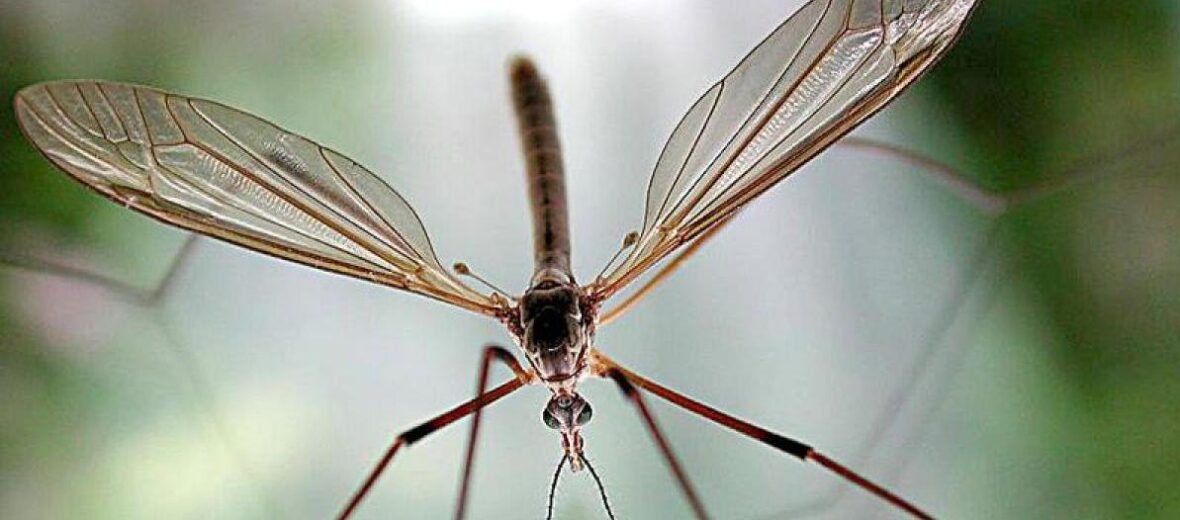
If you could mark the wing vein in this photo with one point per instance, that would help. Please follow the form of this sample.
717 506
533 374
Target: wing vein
275 220
85 104
119 115
371 210
330 223
819 74
753 168
64 138
147 130
205 168
751 133
680 171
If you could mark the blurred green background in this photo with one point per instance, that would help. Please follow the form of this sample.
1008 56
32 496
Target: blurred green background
1019 365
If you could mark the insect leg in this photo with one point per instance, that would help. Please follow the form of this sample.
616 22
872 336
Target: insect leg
441 421
936 342
997 203
650 421
136 295
936 339
608 368
990 202
151 300
489 353
941 171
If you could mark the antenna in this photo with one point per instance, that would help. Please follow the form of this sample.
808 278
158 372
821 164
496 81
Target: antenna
553 487
601 489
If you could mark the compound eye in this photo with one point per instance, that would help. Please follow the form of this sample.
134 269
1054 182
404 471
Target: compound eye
550 420
585 415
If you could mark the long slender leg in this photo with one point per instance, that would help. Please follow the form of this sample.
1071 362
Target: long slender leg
997 203
933 342
505 357
607 368
990 202
950 177
164 288
150 299
649 420
139 296
954 359
955 180
441 421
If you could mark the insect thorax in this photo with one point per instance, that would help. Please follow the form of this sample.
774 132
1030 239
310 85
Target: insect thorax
555 329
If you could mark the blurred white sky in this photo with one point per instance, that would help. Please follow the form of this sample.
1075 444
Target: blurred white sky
539 12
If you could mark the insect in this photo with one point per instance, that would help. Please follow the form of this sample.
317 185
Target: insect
220 172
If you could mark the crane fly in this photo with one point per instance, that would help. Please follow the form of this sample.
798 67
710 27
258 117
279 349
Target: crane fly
218 171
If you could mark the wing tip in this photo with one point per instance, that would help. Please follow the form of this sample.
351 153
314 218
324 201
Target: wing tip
22 107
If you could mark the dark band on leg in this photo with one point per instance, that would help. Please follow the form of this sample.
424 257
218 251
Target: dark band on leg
416 433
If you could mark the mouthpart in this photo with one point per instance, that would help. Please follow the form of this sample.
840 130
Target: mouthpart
572 443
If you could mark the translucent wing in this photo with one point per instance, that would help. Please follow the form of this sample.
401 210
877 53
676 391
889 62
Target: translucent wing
818 75
218 171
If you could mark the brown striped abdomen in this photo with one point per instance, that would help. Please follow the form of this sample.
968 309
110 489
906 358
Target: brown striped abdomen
544 172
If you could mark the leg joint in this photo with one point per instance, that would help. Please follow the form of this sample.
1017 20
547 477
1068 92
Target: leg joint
620 379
